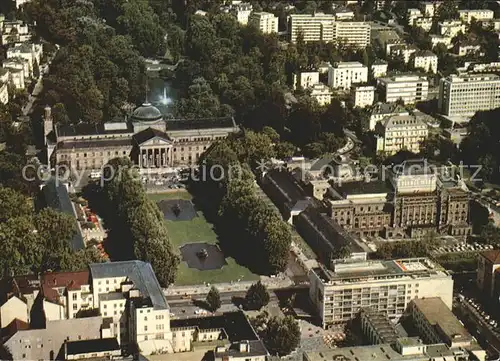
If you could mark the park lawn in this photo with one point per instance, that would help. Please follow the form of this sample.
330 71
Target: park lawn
199 230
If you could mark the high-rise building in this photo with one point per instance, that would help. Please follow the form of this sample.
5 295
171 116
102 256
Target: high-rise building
388 286
313 27
409 88
266 22
352 33
466 94
342 75
320 26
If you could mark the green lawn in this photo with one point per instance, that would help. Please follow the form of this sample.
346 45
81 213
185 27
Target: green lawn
199 230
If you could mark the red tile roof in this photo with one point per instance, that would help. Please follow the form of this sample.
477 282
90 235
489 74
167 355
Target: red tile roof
69 280
13 327
492 255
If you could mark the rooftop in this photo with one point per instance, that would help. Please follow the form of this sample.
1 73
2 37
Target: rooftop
440 316
255 348
403 121
389 108
90 346
235 325
361 187
140 273
492 255
384 328
368 271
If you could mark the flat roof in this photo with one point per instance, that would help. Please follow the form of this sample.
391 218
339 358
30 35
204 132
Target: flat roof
362 187
235 325
89 346
377 269
439 315
140 273
385 329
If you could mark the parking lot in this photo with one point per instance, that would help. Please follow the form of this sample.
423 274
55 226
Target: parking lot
462 247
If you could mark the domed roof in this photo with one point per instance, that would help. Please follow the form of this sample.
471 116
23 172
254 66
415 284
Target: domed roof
146 113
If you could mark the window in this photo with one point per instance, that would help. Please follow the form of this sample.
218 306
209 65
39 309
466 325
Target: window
75 306
105 306
145 318
145 328
74 296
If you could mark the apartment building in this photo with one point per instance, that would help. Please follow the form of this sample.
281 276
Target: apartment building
19 69
388 286
379 68
468 49
404 50
426 60
321 93
377 327
4 93
305 79
423 22
429 8
410 88
441 39
478 14
401 132
451 28
437 324
383 110
15 32
320 26
344 74
352 33
464 95
342 14
266 22
413 14
242 12
363 95
313 27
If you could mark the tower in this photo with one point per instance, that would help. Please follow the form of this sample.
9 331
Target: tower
48 123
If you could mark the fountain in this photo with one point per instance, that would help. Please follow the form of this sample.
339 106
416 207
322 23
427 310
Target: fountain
165 100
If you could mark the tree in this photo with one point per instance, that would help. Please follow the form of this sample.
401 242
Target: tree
257 296
36 69
213 299
13 204
448 10
282 335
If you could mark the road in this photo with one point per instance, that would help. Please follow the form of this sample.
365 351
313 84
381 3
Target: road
36 91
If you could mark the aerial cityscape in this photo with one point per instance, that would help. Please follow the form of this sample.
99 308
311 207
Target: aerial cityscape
250 180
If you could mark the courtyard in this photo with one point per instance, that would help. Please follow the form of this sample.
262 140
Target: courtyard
188 233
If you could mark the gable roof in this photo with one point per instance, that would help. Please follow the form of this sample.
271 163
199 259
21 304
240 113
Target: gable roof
492 255
149 134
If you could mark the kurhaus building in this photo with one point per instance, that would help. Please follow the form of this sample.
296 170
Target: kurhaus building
148 139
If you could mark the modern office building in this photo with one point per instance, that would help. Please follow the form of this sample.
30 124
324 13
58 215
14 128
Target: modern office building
425 60
344 74
400 132
363 95
377 327
387 286
266 22
410 88
464 95
478 14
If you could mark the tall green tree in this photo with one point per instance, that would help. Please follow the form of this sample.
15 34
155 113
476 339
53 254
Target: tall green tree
282 336
257 296
213 299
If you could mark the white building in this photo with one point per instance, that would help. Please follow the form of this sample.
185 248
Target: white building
426 60
401 132
466 94
390 286
342 14
15 32
404 50
4 93
266 22
320 26
30 52
16 74
379 68
242 12
466 49
451 28
440 39
352 33
342 75
363 95
20 3
429 8
321 93
412 14
305 79
409 88
423 22
383 110
314 27
478 14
